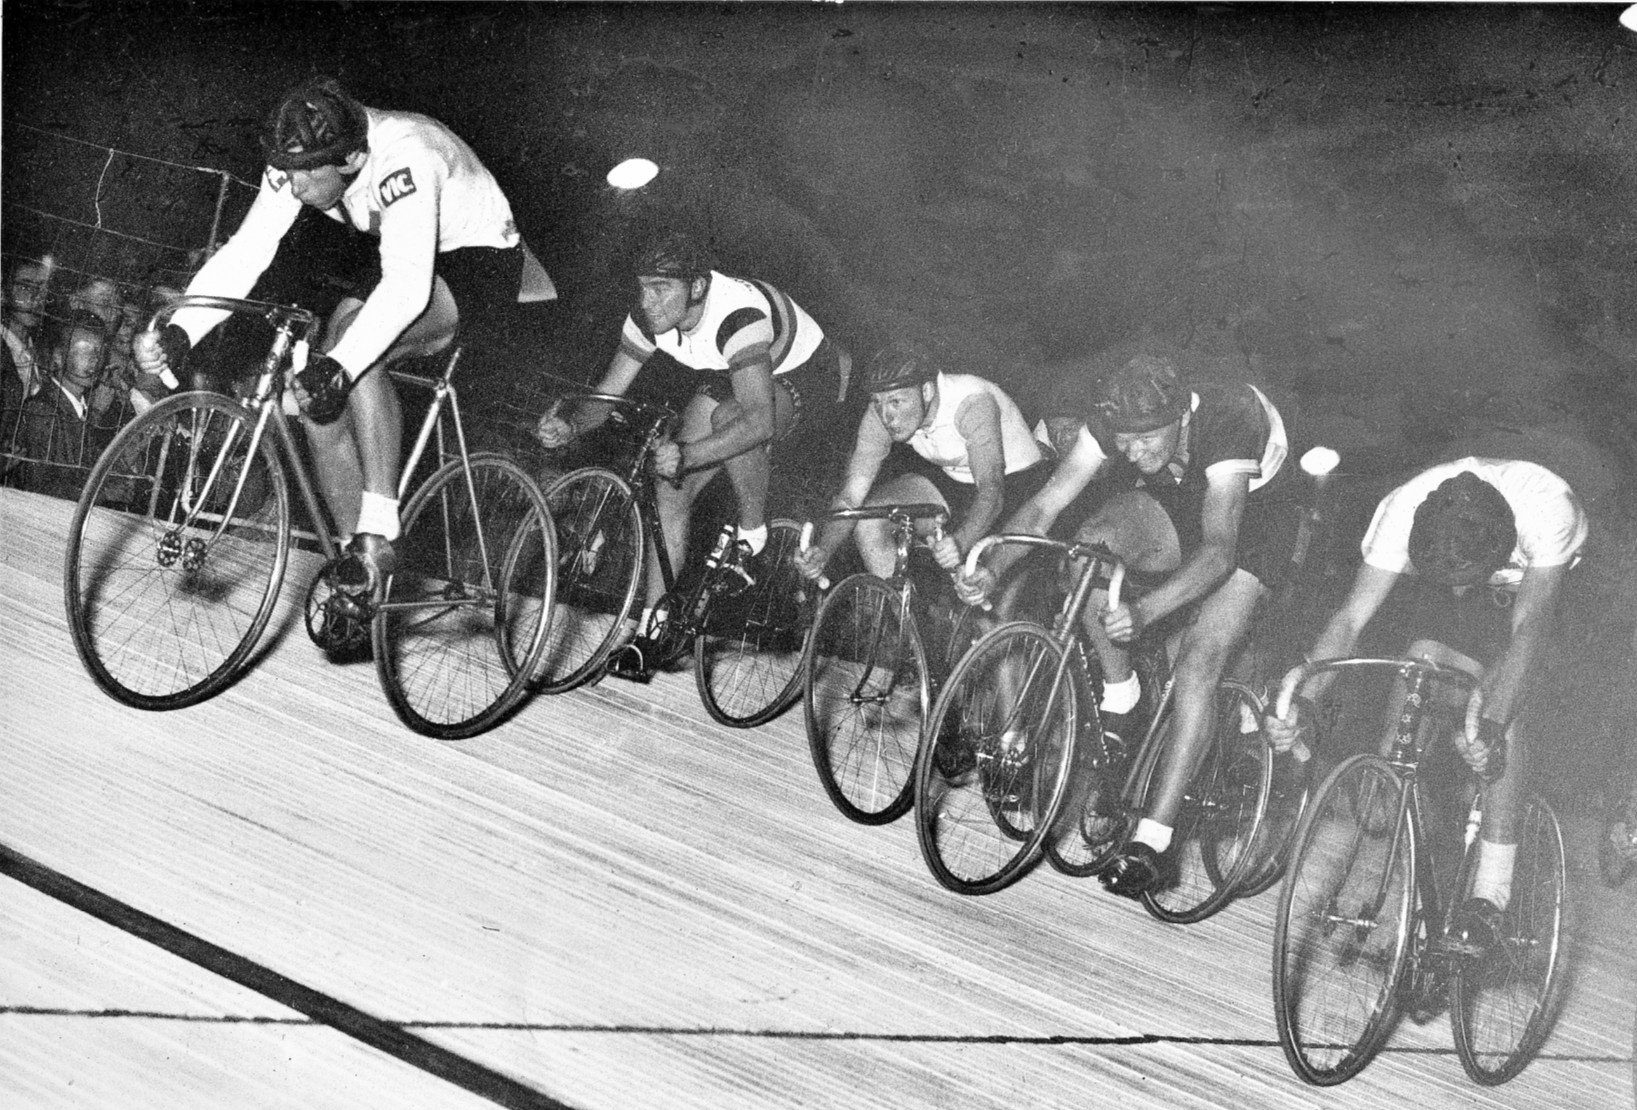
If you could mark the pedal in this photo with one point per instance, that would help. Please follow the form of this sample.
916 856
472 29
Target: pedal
630 663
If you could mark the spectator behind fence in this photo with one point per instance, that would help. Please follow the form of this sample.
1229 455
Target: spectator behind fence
58 435
27 290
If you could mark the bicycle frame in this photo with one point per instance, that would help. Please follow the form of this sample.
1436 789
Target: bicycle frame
267 403
1404 756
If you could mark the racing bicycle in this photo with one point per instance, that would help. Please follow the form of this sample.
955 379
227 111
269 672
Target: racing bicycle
183 536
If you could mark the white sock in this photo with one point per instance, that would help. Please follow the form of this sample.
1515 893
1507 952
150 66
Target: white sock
755 537
1121 697
1153 834
1494 878
378 513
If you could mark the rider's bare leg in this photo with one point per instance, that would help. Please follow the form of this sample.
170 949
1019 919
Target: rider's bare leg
876 545
1138 531
674 501
1207 645
750 471
362 451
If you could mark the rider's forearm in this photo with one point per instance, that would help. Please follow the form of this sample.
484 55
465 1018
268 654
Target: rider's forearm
1029 520
1203 571
980 518
1507 683
750 429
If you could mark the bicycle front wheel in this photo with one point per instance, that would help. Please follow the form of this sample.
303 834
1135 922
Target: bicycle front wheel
1501 1005
1221 814
867 693
994 770
1343 928
176 553
600 544
747 656
462 628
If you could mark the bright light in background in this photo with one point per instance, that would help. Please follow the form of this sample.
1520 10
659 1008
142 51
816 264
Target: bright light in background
1320 461
1628 18
633 173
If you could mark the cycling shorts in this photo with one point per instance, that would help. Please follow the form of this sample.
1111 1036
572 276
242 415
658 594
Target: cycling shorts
1267 530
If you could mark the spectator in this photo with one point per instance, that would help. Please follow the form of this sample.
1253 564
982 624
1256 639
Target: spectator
53 431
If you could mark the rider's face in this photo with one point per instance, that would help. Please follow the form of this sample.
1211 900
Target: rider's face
1150 451
664 302
900 411
320 187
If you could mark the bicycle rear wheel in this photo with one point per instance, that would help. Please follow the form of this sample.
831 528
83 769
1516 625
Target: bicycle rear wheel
1502 1005
176 553
1221 812
867 693
1344 923
747 656
462 628
601 541
994 771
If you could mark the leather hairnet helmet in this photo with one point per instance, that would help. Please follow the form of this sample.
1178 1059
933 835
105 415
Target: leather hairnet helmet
1144 394
314 124
899 365
1463 532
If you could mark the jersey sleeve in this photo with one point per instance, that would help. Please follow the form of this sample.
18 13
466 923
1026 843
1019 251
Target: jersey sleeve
635 342
746 336
1554 527
232 271
1233 435
1386 544
408 191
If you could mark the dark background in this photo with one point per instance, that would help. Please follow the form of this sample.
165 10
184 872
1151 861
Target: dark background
1415 225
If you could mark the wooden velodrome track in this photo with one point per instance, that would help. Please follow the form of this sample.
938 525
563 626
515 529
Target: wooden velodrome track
282 898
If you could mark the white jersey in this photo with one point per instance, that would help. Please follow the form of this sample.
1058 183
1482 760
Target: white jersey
422 191
1551 524
940 442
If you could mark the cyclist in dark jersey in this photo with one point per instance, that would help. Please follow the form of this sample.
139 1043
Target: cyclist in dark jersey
774 375
1204 523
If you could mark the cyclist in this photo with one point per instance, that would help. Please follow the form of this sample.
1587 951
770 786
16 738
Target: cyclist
955 440
450 252
1486 544
1200 518
773 374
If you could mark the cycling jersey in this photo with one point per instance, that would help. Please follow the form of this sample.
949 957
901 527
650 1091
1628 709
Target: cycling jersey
742 319
421 190
939 440
1551 523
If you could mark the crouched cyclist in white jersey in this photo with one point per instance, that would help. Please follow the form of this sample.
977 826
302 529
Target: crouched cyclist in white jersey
955 440
1485 545
450 253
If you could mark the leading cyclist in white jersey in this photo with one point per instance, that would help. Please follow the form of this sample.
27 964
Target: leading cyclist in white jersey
450 252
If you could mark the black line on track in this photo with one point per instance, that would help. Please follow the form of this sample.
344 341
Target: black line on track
785 1034
392 1038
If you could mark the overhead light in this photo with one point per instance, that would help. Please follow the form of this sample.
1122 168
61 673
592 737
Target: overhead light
1628 18
1320 461
633 173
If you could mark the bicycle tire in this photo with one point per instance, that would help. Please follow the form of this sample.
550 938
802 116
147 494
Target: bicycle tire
1502 1005
867 691
1000 741
463 623
749 647
1342 932
176 553
1289 793
1222 812
601 548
